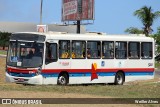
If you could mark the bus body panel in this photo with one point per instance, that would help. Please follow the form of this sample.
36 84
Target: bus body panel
25 80
80 71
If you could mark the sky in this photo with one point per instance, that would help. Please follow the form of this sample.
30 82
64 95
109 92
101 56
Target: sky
111 16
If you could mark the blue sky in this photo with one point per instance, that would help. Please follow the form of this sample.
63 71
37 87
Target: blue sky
111 16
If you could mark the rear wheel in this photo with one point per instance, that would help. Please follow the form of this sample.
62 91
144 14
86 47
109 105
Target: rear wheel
119 79
62 79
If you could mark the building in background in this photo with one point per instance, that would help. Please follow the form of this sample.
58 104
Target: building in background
12 27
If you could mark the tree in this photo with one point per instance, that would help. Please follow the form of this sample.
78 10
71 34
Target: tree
133 30
157 39
158 30
4 39
147 17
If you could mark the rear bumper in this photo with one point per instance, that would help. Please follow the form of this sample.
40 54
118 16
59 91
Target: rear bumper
24 80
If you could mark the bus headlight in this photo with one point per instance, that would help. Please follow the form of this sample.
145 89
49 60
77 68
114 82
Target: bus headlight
38 71
31 72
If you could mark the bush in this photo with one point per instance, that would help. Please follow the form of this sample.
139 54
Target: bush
4 39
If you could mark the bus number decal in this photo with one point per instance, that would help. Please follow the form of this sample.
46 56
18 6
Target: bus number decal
103 63
150 64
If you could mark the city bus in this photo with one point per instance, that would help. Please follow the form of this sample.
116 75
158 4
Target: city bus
62 58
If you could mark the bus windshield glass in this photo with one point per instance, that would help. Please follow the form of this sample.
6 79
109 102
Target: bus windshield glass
25 54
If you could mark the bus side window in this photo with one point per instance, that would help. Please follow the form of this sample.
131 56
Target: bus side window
108 50
93 49
146 50
51 53
78 49
134 50
121 50
64 49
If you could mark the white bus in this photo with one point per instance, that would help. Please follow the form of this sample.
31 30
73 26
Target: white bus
62 58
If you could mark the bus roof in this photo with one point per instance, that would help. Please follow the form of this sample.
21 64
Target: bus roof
91 36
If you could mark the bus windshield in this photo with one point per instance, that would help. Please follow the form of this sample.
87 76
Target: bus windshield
25 54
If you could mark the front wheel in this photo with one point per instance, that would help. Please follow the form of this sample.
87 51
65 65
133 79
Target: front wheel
62 79
119 79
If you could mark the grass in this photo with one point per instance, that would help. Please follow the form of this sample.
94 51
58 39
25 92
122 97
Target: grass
157 64
3 52
125 91
137 90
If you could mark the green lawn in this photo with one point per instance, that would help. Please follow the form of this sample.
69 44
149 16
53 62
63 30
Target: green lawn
125 91
157 65
3 52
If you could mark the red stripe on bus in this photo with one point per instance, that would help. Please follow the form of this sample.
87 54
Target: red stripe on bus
98 70
68 70
127 70
17 70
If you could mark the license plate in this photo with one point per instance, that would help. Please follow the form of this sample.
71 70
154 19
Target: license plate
20 79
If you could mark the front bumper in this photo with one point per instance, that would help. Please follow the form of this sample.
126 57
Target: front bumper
37 80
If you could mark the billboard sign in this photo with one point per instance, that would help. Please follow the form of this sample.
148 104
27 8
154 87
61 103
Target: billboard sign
77 10
42 28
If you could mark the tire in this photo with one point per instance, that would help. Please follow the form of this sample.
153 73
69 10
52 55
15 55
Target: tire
119 78
62 79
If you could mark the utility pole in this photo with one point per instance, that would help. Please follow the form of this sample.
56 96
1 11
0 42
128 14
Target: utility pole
41 8
79 13
78 26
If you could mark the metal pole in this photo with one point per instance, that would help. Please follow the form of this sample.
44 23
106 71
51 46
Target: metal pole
78 26
41 11
79 13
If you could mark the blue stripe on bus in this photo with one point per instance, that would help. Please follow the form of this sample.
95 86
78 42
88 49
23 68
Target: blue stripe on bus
138 73
50 75
107 74
89 74
22 75
111 74
84 74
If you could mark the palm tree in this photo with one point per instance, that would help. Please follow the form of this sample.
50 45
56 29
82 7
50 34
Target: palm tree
134 30
147 17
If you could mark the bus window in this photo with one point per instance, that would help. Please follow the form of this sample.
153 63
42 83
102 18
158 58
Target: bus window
64 49
134 50
93 50
51 53
78 49
108 50
146 50
121 50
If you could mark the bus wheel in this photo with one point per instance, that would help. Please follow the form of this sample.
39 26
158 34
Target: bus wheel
119 79
62 79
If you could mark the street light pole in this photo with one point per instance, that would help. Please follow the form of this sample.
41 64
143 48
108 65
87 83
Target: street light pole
41 12
79 13
78 26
